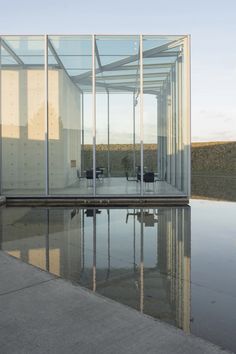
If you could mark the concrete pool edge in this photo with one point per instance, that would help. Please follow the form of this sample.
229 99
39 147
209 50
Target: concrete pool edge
95 202
50 314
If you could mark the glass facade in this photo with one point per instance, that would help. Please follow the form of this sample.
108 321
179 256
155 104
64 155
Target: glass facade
95 115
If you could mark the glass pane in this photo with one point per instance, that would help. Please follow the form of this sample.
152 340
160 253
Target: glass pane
162 116
117 115
23 115
70 114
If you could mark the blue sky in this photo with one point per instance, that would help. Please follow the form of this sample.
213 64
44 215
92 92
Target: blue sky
212 26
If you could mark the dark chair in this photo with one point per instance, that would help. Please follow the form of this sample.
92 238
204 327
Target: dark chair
89 175
99 173
149 177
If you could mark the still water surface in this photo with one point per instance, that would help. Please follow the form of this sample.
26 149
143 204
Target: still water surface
176 264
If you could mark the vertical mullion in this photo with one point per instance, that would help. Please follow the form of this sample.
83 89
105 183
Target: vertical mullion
141 109
180 122
94 114
46 115
1 116
134 128
82 137
188 83
108 134
187 114
157 131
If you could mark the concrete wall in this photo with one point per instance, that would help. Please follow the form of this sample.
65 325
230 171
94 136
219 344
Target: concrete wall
23 130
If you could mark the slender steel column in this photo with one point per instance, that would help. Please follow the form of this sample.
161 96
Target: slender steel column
1 175
108 134
82 135
173 94
180 123
141 109
157 110
46 115
134 157
187 116
94 112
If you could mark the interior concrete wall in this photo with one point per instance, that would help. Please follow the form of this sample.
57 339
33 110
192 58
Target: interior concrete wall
23 129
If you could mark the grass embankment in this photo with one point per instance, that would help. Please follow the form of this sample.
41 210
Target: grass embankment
214 158
208 158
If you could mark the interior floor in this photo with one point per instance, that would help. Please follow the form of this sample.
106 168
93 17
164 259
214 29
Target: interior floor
117 186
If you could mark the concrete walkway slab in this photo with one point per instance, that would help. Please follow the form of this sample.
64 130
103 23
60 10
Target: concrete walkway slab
40 313
16 275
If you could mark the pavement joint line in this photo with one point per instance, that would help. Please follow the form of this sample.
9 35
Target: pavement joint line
28 286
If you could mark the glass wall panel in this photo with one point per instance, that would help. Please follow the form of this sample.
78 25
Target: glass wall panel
117 115
23 115
163 114
70 114
184 119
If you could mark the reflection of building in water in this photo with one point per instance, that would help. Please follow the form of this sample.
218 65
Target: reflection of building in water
139 257
48 239
174 261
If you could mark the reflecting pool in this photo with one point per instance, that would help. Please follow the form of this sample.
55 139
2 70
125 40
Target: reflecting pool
176 264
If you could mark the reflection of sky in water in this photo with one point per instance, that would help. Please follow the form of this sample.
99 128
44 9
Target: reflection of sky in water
213 276
214 245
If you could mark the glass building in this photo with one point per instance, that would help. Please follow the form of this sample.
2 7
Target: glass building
95 116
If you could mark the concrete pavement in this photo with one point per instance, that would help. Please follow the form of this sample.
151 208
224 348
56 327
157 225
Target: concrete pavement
40 313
